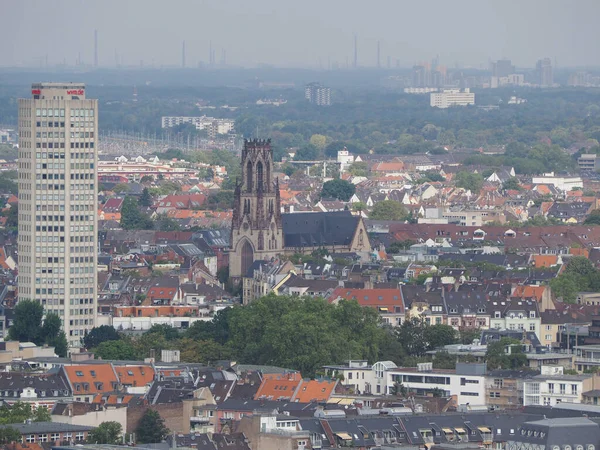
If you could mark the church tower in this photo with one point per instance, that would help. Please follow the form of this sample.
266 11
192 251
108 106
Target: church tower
256 229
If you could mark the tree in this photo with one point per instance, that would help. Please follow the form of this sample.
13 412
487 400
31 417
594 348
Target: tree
359 169
145 198
340 189
388 210
9 435
359 206
580 265
120 188
468 335
206 174
60 344
151 429
12 217
396 247
41 414
319 141
469 181
207 352
593 218
565 286
117 350
439 335
27 322
307 153
106 433
19 412
51 328
132 218
506 353
164 223
411 335
98 335
147 179
512 184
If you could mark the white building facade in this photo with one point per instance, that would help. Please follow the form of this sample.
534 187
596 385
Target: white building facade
58 204
467 382
452 97
553 387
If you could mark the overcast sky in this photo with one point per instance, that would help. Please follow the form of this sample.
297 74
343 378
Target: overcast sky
300 33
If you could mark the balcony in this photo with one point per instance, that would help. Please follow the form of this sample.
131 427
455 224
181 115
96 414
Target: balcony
200 419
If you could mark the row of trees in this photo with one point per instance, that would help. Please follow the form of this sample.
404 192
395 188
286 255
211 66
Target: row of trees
302 334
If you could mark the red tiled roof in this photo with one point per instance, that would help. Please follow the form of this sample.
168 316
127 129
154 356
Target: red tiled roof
314 391
375 298
540 261
135 375
281 387
91 379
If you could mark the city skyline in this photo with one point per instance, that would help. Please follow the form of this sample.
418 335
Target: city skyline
151 34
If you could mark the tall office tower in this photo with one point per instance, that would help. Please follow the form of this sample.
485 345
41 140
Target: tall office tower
58 130
502 68
544 74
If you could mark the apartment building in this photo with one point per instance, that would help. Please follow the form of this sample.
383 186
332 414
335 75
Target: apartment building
466 382
553 386
451 97
58 207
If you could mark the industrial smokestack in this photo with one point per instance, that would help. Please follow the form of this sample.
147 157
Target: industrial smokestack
95 48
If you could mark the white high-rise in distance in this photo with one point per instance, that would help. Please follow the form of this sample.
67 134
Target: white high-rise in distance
58 132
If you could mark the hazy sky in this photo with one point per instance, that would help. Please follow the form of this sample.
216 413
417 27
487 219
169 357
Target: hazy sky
300 33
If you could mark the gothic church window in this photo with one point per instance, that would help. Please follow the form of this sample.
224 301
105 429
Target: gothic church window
249 177
259 176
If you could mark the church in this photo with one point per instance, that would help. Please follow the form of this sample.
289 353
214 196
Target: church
259 231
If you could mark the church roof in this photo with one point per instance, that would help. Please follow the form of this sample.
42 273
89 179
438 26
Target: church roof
318 229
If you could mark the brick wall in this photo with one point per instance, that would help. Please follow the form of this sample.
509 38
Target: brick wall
172 413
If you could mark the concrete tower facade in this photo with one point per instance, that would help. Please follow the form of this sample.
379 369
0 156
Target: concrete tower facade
58 132
256 229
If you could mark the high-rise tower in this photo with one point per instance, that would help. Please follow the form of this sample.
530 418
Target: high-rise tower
58 130
256 230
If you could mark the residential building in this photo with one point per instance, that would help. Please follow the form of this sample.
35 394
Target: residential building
515 314
355 375
318 94
387 302
58 204
505 387
588 161
86 380
467 382
89 414
213 126
51 432
274 432
553 386
37 390
452 97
